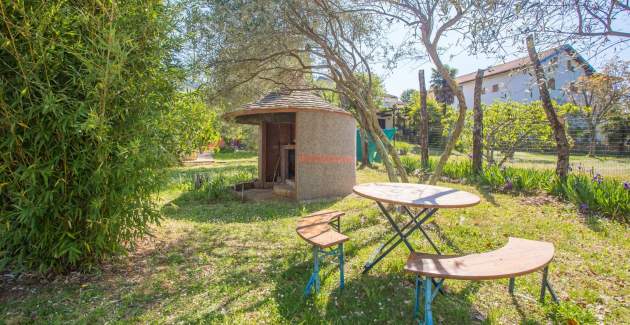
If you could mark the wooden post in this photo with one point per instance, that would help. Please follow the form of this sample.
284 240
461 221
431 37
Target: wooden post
477 161
424 122
562 144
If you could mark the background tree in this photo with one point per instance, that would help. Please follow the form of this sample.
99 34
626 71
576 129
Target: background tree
477 146
423 130
429 21
599 96
405 97
441 89
557 125
510 126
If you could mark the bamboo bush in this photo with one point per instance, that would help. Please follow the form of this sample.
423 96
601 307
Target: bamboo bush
83 86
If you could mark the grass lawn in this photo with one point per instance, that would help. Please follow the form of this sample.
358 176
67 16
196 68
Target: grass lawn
606 165
242 263
236 156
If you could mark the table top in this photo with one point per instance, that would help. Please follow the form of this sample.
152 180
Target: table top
417 195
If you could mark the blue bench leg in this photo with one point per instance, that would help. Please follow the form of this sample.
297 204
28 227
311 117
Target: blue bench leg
314 279
341 267
416 306
428 298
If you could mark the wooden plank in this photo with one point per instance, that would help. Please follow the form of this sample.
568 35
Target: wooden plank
518 257
417 195
316 230
320 217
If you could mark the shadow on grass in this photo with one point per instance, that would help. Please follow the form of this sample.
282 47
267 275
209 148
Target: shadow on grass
188 206
486 192
381 298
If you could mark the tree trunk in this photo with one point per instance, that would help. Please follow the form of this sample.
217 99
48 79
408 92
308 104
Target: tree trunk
378 132
459 124
424 123
592 128
477 156
562 144
380 147
365 147
363 133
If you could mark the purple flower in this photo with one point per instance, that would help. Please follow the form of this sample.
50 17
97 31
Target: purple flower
598 178
626 185
508 186
584 208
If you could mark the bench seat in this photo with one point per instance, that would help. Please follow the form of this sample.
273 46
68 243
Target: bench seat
316 230
518 257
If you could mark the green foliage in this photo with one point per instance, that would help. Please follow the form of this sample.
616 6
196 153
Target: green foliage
410 163
83 88
403 147
190 124
509 126
440 87
412 110
217 184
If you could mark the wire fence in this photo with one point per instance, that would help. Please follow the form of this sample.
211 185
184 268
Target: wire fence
610 155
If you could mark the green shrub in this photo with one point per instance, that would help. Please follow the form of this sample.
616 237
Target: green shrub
226 149
608 197
83 87
218 184
403 147
410 163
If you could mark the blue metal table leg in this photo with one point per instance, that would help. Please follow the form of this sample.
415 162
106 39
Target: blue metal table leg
428 298
402 237
416 306
314 279
341 266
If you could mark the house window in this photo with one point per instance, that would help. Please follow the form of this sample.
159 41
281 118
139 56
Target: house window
495 88
570 66
551 83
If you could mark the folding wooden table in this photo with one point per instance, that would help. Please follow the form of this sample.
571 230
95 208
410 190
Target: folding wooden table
426 197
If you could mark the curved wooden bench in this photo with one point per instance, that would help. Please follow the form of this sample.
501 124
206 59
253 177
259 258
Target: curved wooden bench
316 230
517 257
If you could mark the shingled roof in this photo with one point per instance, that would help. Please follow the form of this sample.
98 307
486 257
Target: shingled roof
287 101
525 62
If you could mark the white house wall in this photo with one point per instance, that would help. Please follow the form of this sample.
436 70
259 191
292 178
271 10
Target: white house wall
520 86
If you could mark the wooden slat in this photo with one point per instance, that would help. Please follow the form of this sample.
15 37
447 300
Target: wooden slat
320 217
417 195
518 257
316 230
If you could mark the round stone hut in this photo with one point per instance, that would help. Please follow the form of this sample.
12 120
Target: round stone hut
306 145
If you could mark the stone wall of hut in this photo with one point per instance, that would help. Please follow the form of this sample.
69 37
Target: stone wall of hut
325 154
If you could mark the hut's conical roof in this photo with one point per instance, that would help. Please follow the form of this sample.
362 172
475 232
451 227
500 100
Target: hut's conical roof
284 101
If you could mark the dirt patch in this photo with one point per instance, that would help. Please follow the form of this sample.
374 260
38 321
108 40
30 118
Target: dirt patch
539 200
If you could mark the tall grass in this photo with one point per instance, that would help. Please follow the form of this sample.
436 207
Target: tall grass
592 194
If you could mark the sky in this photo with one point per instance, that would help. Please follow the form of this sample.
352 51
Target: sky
405 75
